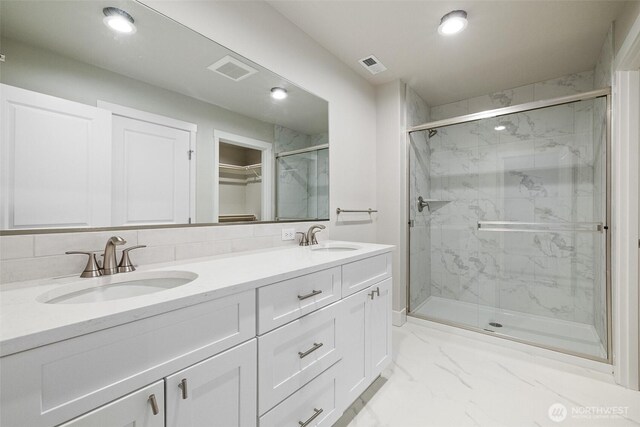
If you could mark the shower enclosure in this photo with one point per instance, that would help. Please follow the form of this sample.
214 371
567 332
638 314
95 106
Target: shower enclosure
302 190
508 213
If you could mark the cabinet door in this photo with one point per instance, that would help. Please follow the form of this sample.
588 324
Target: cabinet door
219 391
380 321
135 409
356 360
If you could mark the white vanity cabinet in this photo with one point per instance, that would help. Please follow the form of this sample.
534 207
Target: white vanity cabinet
143 408
324 360
294 351
52 384
366 339
218 391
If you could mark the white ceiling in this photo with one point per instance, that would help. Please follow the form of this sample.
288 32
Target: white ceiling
162 53
506 43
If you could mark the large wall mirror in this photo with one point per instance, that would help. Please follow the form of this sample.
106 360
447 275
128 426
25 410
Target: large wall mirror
115 115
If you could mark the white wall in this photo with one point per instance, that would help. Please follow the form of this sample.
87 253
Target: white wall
256 30
391 182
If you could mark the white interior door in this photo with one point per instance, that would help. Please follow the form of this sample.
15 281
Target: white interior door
151 173
56 161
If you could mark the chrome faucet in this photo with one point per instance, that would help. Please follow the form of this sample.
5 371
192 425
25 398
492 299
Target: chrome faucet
110 265
311 234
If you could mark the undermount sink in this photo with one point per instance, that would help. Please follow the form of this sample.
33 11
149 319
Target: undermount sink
335 247
121 286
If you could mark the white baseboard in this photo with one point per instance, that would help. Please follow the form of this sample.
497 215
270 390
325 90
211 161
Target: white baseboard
399 317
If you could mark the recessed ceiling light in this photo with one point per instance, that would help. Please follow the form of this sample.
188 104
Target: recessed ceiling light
118 20
453 22
500 127
278 93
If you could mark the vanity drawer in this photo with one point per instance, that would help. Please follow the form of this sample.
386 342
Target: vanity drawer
288 300
364 273
318 397
294 354
57 382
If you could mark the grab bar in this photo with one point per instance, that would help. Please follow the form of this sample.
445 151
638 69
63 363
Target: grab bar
369 211
541 227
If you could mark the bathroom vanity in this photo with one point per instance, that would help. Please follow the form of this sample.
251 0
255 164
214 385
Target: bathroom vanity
287 336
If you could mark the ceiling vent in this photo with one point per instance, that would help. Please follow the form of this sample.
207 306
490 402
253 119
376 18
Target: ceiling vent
232 69
372 64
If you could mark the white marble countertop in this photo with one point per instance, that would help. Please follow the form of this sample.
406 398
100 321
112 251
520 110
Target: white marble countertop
26 323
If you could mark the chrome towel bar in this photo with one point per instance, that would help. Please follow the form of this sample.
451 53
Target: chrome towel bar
541 227
369 211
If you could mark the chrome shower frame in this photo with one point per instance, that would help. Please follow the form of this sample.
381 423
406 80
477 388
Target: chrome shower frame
530 106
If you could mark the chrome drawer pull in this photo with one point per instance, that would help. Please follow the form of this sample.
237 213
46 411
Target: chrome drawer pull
312 294
313 417
154 404
183 386
311 350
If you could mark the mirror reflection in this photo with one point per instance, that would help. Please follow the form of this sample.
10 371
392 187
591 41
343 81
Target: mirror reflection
118 115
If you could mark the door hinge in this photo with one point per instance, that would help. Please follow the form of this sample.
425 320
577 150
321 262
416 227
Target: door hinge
189 220
412 223
190 152
2 57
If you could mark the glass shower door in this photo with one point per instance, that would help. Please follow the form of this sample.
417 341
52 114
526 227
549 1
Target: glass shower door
513 215
303 185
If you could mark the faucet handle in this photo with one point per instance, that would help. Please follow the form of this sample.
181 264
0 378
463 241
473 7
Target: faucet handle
303 239
314 240
125 262
91 269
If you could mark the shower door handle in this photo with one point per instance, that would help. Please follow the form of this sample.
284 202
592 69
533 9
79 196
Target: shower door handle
422 203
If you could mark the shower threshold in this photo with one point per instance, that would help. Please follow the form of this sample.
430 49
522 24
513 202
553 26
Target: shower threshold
561 334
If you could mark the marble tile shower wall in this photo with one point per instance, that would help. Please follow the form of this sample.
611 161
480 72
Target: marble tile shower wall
322 184
566 85
417 112
38 256
288 139
303 185
602 78
303 180
539 169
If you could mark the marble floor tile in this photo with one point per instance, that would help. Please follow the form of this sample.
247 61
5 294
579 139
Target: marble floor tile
437 379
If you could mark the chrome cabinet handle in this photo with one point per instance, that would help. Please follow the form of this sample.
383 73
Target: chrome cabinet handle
183 387
311 350
316 412
376 291
312 294
154 404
